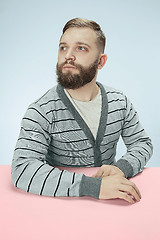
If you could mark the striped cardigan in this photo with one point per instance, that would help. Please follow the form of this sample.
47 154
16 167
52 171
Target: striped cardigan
54 134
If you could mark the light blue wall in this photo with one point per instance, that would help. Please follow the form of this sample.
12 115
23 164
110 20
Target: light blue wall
30 32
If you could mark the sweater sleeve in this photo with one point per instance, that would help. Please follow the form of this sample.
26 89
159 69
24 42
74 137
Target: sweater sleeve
30 170
139 146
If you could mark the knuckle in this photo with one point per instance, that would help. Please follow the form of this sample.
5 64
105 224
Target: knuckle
103 166
126 196
133 184
131 189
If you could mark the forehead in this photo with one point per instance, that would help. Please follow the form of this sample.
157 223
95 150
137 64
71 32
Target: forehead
84 34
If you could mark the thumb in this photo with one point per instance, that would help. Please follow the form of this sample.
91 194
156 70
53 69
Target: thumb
94 175
99 173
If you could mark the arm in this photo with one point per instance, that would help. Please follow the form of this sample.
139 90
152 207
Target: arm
139 146
30 170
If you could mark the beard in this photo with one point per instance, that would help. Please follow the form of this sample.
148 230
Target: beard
74 81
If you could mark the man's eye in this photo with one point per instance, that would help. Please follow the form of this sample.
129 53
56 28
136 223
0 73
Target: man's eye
62 48
82 48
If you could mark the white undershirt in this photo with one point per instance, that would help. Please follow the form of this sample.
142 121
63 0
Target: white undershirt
89 111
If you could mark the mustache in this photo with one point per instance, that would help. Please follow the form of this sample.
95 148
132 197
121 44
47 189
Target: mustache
78 66
70 63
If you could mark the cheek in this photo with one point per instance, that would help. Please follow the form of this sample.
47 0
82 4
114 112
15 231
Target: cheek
60 58
60 55
88 59
83 60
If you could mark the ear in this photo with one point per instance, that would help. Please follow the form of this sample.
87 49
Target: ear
102 61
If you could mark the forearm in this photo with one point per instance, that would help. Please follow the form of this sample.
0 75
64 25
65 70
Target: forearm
138 144
41 178
31 173
136 157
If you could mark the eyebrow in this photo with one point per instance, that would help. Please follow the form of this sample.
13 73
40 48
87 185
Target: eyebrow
80 43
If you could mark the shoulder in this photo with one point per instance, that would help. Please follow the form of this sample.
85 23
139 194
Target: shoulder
114 94
50 95
112 91
45 104
48 100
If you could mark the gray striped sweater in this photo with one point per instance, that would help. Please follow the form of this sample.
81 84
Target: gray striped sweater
54 134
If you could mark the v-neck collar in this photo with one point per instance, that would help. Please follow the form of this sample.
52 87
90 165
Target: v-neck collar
80 120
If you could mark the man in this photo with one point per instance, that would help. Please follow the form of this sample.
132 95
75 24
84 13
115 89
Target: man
78 123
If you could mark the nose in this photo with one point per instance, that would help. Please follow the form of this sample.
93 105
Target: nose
70 56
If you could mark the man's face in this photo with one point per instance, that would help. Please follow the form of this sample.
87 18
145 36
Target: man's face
78 58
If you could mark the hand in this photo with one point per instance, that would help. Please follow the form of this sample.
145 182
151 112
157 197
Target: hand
116 186
108 170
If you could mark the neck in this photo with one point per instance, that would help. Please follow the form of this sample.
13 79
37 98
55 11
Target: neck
85 93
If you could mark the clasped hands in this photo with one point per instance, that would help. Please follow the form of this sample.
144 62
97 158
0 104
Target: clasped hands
115 185
108 170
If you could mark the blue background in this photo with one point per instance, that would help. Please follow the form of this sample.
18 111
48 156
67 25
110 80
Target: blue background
30 33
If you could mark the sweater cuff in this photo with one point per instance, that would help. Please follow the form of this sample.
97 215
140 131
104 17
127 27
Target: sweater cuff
125 166
90 186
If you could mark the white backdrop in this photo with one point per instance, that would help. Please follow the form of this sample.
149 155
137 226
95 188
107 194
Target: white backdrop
30 32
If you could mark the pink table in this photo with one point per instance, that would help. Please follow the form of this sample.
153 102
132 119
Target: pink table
33 217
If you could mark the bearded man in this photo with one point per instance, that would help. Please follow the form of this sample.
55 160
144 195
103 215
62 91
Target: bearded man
78 123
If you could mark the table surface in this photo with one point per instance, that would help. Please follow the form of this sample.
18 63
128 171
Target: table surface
29 216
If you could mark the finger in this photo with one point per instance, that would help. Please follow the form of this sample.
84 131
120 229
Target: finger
130 190
126 181
95 175
125 196
104 175
99 173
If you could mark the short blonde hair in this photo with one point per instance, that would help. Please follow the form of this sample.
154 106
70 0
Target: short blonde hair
81 22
